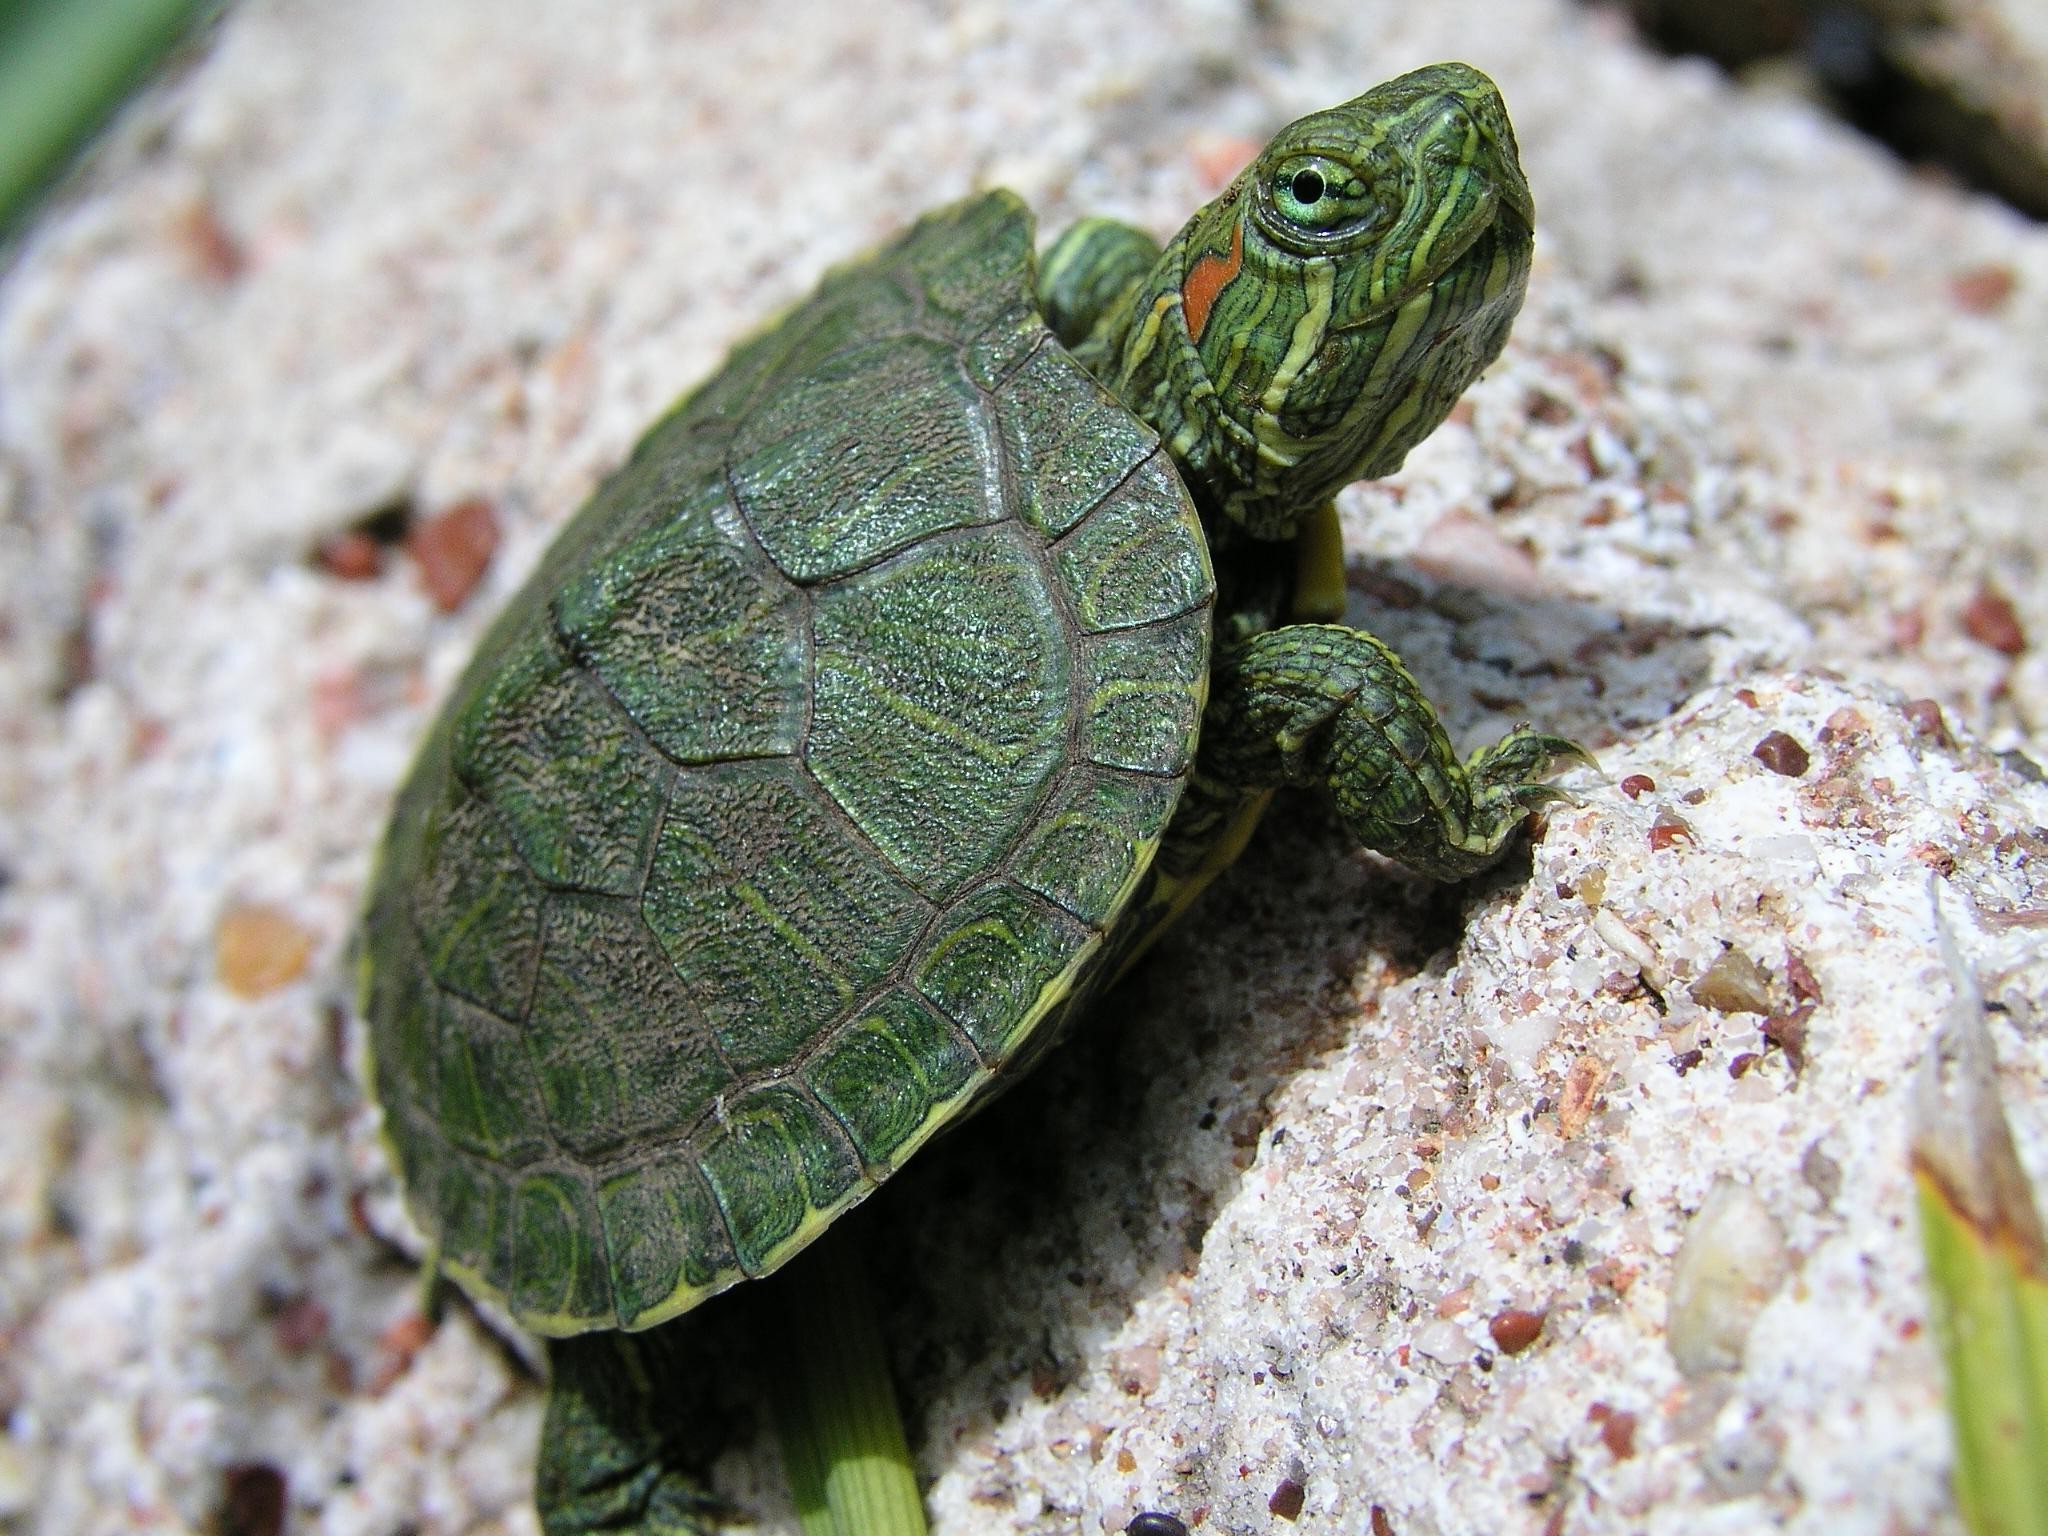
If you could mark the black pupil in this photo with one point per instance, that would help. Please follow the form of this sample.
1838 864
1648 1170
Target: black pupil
1307 187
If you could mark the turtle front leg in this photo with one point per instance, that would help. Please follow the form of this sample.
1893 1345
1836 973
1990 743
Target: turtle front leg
1082 279
1324 704
609 1457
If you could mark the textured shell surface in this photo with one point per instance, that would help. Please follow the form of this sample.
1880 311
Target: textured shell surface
796 797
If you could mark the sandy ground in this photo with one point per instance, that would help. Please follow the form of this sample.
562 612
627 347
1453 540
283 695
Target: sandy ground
1764 457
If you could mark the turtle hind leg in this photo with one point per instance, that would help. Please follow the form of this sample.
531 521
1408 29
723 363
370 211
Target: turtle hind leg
609 1457
1083 278
1325 704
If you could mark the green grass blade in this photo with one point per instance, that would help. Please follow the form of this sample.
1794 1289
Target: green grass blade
835 1409
1987 1273
64 66
1991 1319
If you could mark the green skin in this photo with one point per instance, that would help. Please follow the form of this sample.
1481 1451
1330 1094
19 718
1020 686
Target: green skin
1303 331
1373 309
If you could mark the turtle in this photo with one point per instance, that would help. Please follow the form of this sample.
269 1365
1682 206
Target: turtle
911 675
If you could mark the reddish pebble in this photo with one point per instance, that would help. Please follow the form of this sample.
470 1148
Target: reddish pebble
1612 1275
452 549
396 1346
252 1501
1781 754
1287 1498
214 251
1936 858
352 556
1582 1085
1515 1330
1983 290
1668 829
1617 1430
1925 718
1637 785
1740 1066
1787 1031
1845 724
1381 1525
1800 978
1991 621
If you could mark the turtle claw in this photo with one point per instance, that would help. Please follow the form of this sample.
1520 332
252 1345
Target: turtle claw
1502 785
1533 797
1523 756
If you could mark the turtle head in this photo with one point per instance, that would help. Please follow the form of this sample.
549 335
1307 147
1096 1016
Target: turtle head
1320 317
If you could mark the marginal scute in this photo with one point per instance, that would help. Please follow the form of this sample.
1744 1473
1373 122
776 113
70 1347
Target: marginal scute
966 259
1143 692
941 703
406 1058
474 1202
621 1052
477 905
1084 852
886 1071
488 1103
774 912
661 476
562 1271
876 448
665 1236
1139 557
531 739
1006 345
780 1159
1070 443
853 306
992 965
694 635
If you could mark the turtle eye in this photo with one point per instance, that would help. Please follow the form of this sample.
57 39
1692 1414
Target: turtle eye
1314 196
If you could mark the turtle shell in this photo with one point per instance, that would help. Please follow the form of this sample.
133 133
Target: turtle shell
795 799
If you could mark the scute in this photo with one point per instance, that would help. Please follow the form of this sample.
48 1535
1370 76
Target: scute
692 635
802 788
822 500
941 702
779 1163
997 962
1080 855
1072 444
618 1045
775 912
536 734
888 1073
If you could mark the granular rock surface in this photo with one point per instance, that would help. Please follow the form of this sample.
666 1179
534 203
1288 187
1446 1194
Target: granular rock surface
1570 1201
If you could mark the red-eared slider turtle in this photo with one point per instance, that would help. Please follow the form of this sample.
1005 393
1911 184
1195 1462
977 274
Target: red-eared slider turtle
914 670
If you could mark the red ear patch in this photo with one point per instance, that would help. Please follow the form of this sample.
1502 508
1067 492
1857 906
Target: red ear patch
1207 279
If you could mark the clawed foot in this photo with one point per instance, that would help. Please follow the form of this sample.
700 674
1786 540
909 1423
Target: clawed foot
1474 810
1506 782
1511 770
